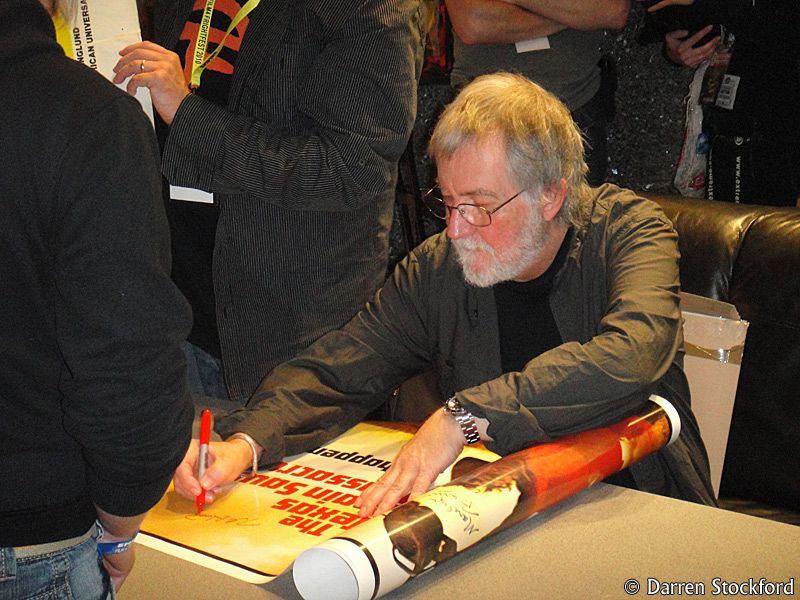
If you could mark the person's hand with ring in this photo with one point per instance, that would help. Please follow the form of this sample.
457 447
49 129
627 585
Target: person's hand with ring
151 66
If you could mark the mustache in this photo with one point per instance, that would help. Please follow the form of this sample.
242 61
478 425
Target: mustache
470 244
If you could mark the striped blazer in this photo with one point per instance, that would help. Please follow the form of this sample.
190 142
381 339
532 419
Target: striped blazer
302 162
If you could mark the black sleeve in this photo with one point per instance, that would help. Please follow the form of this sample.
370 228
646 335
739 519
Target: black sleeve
119 317
338 380
358 101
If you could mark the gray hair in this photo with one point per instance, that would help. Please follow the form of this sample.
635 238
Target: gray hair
66 8
543 144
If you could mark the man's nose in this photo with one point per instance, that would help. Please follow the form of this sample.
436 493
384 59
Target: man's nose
457 226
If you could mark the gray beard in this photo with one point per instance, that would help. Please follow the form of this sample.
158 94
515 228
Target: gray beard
506 265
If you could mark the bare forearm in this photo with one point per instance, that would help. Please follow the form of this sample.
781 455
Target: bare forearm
117 527
117 561
496 22
580 14
483 429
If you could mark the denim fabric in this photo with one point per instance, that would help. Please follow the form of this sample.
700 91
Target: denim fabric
207 386
72 573
203 373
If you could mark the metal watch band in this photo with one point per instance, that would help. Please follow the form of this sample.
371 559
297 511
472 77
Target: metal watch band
464 419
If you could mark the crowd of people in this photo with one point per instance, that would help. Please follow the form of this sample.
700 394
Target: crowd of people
235 257
749 94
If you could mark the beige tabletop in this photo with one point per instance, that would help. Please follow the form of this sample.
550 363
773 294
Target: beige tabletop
587 547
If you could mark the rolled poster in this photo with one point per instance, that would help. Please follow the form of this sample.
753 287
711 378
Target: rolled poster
379 555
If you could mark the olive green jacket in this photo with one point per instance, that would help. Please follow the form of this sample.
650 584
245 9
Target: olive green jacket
615 302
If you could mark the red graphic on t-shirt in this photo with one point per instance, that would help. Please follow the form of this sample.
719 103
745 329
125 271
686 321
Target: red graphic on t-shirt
230 9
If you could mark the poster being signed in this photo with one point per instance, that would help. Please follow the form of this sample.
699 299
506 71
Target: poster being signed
266 520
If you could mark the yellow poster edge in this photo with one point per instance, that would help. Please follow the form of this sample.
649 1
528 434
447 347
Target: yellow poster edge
201 559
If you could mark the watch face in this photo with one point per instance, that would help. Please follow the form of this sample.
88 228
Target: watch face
454 406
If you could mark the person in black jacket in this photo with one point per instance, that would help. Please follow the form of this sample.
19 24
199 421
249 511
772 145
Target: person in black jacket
750 102
95 414
295 126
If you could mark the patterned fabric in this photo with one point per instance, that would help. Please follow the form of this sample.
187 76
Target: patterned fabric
224 13
615 303
73 572
302 161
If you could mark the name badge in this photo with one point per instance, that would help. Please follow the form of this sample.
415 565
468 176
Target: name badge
177 192
539 43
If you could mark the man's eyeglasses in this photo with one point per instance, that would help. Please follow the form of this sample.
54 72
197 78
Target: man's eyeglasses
471 213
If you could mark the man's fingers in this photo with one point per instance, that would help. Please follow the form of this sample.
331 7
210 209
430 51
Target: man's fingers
224 466
403 489
657 6
137 63
699 35
404 479
378 504
708 48
371 498
216 475
186 483
663 3
678 34
135 83
421 485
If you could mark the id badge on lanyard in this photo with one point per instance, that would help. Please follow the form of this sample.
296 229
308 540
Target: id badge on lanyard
199 60
199 63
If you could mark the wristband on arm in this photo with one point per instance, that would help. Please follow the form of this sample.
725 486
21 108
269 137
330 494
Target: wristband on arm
116 547
250 442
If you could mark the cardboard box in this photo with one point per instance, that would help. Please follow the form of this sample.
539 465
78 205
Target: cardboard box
714 337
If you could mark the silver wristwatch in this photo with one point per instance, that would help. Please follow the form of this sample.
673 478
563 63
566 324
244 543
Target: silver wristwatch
464 418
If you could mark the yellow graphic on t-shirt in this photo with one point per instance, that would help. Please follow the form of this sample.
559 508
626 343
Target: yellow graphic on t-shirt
64 35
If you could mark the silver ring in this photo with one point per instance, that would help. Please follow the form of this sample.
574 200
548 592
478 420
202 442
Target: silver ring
141 66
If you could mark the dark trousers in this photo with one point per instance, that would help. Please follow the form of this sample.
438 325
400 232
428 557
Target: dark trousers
752 167
591 119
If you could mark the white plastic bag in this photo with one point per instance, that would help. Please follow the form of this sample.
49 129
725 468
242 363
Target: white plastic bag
690 176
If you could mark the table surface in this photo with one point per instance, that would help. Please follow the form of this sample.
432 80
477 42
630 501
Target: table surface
585 547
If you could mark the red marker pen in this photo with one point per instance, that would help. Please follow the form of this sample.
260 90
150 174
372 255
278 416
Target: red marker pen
202 457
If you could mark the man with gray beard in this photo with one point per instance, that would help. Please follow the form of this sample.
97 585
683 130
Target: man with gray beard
546 308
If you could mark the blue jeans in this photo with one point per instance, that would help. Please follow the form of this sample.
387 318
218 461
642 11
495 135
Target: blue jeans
206 385
71 572
203 372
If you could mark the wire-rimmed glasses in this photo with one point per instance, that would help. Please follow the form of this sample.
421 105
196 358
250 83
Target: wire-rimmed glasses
473 214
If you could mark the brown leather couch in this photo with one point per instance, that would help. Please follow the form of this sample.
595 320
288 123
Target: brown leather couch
750 256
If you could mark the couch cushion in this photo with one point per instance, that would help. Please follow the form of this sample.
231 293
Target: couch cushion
750 256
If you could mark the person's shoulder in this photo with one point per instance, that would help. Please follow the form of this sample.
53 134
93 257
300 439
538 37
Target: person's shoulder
74 104
337 13
78 95
93 89
433 251
611 202
431 262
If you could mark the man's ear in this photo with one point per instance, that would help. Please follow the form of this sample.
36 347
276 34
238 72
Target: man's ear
555 196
